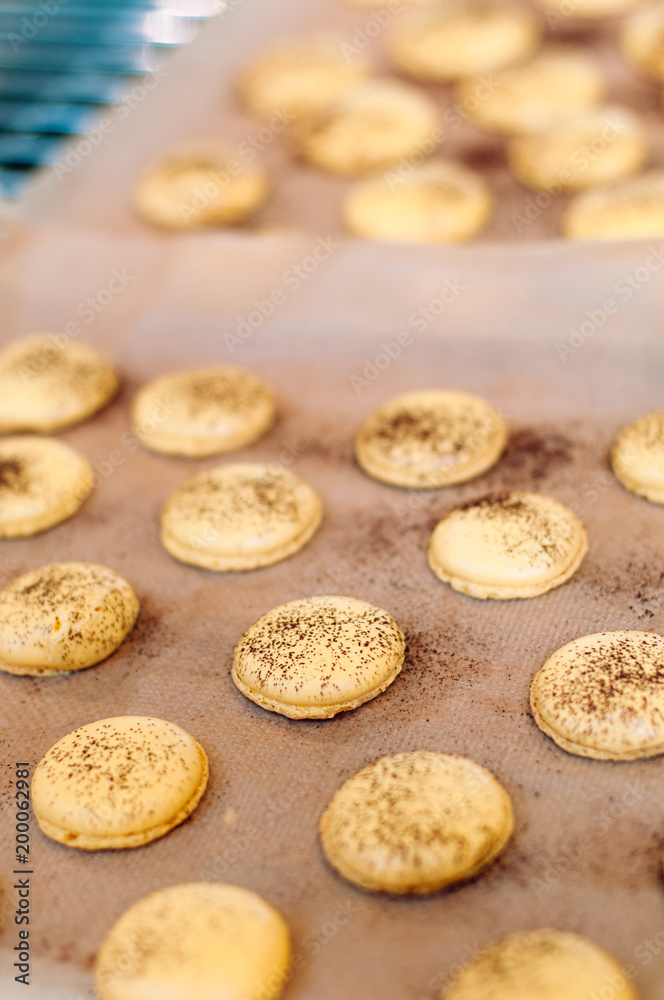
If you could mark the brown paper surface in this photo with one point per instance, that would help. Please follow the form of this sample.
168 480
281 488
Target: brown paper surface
586 855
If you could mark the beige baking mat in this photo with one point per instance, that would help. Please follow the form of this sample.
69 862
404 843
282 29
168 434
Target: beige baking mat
92 181
587 848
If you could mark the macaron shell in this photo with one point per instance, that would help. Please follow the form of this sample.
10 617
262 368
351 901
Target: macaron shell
377 124
507 545
207 941
462 38
430 438
299 77
602 696
316 657
240 516
171 193
544 964
551 160
42 482
49 381
559 82
637 457
416 822
439 202
64 617
120 782
202 412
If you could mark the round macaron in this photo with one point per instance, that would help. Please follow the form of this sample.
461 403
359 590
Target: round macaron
439 201
625 210
49 382
602 696
430 438
637 457
299 77
377 124
442 42
64 617
557 83
641 39
596 147
117 783
200 186
240 516
42 482
544 964
507 545
416 822
202 412
196 941
316 657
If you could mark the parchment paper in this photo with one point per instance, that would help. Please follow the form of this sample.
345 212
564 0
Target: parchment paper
587 849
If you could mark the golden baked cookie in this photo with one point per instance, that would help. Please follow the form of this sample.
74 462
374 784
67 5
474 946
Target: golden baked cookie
437 202
240 516
629 209
543 964
561 10
637 457
641 40
558 83
374 126
202 412
50 382
313 658
594 148
602 696
507 545
42 482
300 76
462 37
415 822
201 186
120 782
64 617
431 438
196 941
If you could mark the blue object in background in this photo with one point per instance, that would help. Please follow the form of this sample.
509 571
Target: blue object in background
61 59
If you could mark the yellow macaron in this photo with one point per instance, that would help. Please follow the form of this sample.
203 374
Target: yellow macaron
117 783
415 822
316 657
63 617
196 941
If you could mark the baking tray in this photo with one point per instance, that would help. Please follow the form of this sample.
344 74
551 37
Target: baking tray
586 855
